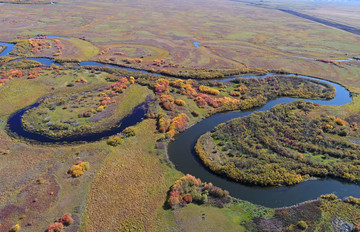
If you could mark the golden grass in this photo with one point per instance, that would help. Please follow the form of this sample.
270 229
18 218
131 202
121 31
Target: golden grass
19 93
135 95
86 49
130 187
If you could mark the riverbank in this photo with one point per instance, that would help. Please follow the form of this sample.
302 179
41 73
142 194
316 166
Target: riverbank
181 154
340 90
291 155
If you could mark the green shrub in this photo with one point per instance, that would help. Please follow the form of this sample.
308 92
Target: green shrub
115 140
352 200
302 225
15 228
129 131
180 102
329 197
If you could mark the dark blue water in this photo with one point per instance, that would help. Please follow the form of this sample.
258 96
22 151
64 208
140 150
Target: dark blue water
181 153
93 63
51 37
15 126
45 61
8 49
181 150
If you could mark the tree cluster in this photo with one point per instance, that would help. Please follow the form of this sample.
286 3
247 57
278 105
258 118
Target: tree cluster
190 189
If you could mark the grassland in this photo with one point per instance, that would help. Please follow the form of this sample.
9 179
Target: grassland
26 2
39 182
83 110
139 181
126 187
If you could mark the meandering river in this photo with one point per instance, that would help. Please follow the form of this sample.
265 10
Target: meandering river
181 151
15 126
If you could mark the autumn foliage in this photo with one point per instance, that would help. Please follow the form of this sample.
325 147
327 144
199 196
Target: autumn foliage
41 42
340 121
208 90
38 44
357 228
129 131
177 123
7 75
79 169
66 219
238 94
190 189
56 227
282 146
180 102
15 228
34 73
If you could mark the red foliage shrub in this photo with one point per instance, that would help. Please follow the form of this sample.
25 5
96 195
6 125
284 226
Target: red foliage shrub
167 102
195 113
66 219
234 94
55 227
357 228
162 86
169 106
34 73
201 103
123 83
188 198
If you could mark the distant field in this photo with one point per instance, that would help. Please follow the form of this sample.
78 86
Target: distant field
26 1
344 14
140 33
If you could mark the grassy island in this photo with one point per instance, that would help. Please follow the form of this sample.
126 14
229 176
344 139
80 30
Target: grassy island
283 146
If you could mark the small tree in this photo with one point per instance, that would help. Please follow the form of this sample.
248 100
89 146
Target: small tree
302 225
15 228
340 121
79 169
115 140
129 131
66 219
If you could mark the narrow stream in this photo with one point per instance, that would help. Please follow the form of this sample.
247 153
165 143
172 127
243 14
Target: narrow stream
181 151
15 126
